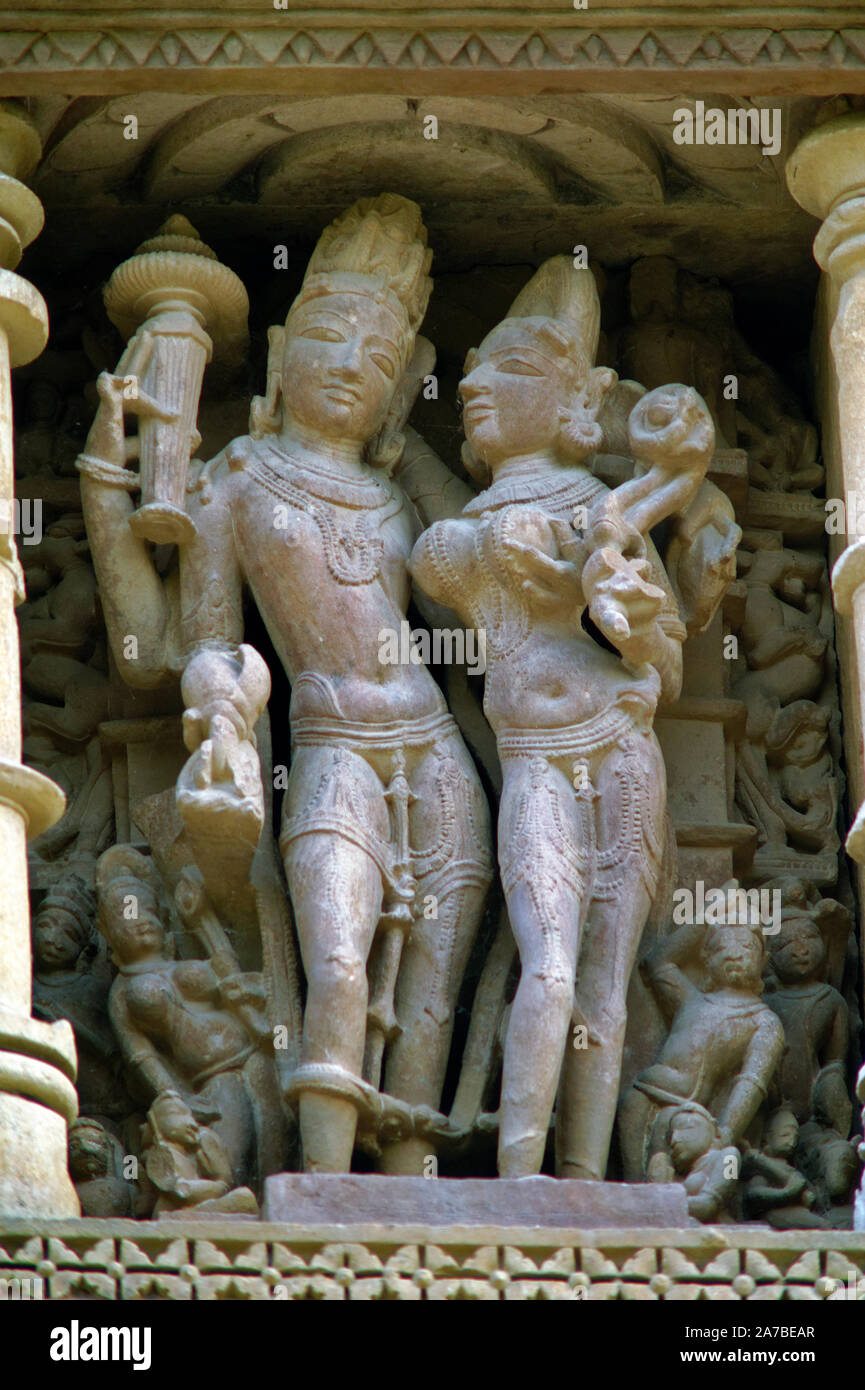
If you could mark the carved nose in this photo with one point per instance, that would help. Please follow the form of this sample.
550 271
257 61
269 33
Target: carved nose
471 388
351 364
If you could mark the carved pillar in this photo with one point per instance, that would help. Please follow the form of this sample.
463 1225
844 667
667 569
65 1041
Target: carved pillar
37 1060
826 175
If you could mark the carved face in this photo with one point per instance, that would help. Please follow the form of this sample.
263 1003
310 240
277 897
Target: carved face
133 937
734 958
782 1134
798 951
691 1136
89 1153
512 393
343 360
178 1126
56 940
806 747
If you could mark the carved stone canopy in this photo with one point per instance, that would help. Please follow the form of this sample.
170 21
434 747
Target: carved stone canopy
503 172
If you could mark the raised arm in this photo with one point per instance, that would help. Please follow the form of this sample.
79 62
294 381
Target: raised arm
137 603
198 602
662 967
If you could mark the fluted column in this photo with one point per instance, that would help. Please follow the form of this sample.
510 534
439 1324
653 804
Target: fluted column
826 175
37 1060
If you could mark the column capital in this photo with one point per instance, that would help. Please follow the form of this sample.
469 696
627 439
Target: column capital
21 215
826 176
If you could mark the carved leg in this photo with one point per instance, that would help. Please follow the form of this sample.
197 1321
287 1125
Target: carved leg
450 836
632 790
636 1119
236 1124
545 850
336 891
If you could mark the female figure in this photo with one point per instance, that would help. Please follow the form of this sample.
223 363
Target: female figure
807 958
185 1030
65 985
582 808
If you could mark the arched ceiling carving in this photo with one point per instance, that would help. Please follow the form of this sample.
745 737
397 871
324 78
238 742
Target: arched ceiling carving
504 180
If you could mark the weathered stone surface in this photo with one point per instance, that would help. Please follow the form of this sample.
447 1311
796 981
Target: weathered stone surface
353 1199
202 1260
527 139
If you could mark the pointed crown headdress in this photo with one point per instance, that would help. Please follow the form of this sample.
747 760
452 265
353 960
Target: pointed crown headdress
560 305
560 309
378 246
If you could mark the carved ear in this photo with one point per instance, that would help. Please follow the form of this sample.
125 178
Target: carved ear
385 449
265 412
580 425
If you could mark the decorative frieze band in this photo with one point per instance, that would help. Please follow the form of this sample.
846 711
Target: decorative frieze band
201 1260
277 45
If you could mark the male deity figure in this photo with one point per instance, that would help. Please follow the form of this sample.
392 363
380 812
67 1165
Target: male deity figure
385 826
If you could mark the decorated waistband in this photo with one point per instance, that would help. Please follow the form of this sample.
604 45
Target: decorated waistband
400 733
591 736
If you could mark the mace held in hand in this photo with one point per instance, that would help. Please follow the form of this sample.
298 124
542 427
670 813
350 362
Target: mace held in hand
175 303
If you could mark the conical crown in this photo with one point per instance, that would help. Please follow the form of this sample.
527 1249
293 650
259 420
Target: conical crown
383 239
560 294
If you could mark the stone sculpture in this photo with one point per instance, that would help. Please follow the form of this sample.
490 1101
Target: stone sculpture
683 328
65 986
64 672
773 1188
694 1155
581 820
188 1165
319 514
186 1026
807 958
724 1042
96 1168
786 784
383 810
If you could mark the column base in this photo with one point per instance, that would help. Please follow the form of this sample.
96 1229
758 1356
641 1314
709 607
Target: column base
37 1101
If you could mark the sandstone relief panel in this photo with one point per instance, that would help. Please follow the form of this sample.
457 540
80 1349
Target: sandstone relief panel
449 791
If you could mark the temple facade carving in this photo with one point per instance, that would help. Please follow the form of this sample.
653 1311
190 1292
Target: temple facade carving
432 629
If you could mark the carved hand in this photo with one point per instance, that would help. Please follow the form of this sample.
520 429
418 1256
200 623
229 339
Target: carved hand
544 580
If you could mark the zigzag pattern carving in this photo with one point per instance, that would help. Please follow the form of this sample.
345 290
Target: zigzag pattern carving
274 47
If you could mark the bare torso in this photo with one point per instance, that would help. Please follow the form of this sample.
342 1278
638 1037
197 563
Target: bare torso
325 560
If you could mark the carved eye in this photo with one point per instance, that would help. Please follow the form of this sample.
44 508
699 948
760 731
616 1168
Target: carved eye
384 364
320 334
514 366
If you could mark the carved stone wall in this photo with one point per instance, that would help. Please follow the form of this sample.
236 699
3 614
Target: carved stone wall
669 288
739 804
